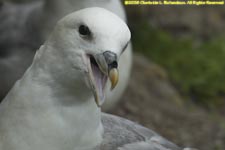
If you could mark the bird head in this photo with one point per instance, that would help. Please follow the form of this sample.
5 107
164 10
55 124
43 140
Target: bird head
92 40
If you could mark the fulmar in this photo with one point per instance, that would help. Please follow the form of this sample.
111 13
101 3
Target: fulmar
56 105
25 26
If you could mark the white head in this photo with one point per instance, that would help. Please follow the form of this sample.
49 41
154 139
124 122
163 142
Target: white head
90 42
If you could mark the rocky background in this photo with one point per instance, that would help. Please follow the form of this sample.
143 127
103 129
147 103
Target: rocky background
163 100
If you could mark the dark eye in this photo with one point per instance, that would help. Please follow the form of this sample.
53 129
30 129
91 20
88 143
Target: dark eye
84 30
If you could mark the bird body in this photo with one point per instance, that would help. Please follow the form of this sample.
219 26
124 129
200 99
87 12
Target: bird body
48 108
37 114
56 104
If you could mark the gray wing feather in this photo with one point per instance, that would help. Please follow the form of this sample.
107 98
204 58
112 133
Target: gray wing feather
148 145
143 146
123 134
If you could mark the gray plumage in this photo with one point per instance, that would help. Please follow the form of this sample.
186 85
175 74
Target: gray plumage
126 135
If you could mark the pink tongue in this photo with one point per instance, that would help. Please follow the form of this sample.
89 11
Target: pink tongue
100 81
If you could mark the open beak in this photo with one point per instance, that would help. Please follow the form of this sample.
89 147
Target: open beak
101 67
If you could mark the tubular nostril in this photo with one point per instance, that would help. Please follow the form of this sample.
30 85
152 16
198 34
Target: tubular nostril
114 64
110 57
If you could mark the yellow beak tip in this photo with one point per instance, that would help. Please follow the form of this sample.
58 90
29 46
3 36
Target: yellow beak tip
114 77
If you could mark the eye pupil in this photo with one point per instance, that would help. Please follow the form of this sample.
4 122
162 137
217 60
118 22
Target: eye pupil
84 30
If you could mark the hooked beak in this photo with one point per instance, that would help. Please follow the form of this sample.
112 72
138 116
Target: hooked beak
101 67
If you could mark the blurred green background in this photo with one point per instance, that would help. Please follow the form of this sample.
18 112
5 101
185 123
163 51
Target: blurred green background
189 43
177 85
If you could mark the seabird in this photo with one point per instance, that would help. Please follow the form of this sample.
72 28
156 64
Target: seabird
56 105
25 26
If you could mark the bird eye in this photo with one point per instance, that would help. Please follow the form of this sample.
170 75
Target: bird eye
84 30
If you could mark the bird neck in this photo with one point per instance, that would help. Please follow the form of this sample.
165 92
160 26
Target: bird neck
59 115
